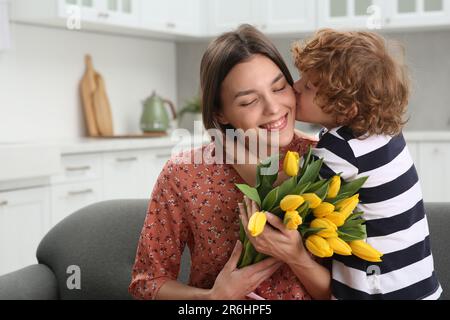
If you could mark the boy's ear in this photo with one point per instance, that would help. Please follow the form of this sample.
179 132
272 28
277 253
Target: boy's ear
353 112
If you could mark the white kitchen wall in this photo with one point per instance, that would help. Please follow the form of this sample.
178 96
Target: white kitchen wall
428 59
39 77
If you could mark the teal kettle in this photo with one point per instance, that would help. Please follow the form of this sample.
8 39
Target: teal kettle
155 116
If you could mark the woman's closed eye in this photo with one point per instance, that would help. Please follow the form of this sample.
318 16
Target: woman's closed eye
280 88
246 104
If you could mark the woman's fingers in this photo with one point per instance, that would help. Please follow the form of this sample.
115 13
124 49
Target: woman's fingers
235 255
243 215
275 222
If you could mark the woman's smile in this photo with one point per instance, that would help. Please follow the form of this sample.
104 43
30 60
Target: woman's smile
277 125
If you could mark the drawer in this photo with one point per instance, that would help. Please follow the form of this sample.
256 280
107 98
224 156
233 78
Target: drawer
69 198
79 168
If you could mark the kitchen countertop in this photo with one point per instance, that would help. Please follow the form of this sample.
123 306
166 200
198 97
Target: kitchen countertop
427 136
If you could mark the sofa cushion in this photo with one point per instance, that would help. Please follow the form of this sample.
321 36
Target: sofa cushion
101 241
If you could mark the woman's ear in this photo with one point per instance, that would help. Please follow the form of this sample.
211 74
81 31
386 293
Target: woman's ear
221 118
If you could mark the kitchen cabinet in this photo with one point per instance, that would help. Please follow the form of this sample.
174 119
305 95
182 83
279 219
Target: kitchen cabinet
172 16
416 13
123 175
225 16
386 14
69 198
115 12
270 16
72 14
435 171
24 220
350 14
288 16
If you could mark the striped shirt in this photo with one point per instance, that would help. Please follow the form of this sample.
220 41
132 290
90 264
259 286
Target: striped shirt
393 207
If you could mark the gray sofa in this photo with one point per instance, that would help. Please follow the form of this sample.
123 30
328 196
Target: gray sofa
101 240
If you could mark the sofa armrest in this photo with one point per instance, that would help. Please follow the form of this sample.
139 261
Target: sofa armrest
36 282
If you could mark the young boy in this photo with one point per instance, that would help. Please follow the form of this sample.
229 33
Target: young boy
353 87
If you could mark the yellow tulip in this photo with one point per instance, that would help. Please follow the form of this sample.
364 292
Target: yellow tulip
292 220
313 200
291 202
347 206
335 186
337 218
323 210
329 228
365 251
318 246
339 246
257 223
291 163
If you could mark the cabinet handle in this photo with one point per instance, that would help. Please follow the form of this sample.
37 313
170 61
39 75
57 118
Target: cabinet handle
171 25
78 193
85 168
131 159
3 203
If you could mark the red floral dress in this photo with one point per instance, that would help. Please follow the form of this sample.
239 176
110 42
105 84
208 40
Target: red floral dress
197 205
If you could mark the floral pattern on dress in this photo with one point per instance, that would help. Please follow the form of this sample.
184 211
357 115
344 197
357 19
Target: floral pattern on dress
197 205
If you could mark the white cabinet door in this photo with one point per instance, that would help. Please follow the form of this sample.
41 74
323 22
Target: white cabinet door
414 150
69 198
124 176
171 16
351 14
227 15
288 16
416 13
24 220
435 171
121 12
86 10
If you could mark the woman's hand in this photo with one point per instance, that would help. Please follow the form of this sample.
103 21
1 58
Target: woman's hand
236 284
276 241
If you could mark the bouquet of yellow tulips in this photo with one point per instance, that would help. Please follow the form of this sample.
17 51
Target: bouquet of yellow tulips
322 210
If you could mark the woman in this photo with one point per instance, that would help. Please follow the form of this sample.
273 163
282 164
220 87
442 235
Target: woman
245 85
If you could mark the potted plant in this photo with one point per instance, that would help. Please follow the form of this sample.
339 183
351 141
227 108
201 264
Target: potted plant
191 112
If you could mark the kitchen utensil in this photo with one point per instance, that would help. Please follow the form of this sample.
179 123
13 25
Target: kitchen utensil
102 108
87 89
155 116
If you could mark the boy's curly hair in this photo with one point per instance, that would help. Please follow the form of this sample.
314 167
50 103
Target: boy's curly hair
356 69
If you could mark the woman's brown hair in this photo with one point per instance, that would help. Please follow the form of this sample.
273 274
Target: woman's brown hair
356 69
221 56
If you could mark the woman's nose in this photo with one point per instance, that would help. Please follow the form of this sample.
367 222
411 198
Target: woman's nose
272 105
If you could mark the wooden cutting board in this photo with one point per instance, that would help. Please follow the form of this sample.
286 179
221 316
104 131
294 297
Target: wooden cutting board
87 89
102 108
96 106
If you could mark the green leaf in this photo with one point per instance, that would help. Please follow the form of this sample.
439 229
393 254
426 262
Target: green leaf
323 190
249 255
353 186
340 197
303 210
306 162
312 171
259 257
250 192
315 186
270 199
287 188
353 233
307 232
300 188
